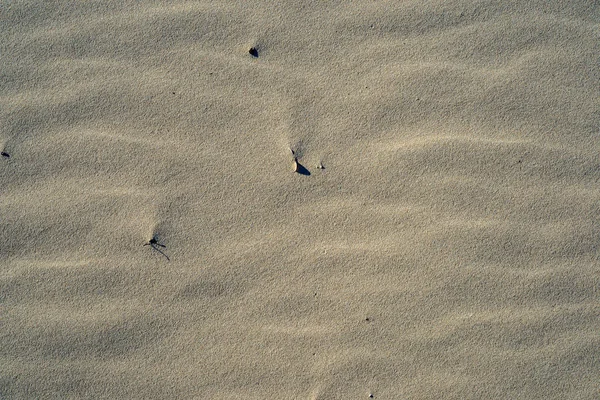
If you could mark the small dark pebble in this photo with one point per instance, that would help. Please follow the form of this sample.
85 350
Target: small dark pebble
5 154
367 319
253 52
370 396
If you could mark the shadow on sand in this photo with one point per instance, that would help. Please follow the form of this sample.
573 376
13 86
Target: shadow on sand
301 169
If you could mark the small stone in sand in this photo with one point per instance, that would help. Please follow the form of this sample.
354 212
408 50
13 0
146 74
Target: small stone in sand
253 52
5 155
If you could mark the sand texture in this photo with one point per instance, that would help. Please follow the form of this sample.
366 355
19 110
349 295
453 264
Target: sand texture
397 199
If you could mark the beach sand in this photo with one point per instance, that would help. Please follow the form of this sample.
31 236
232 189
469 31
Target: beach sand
440 239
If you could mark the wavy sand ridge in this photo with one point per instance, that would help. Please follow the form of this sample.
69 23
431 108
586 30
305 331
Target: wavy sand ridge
441 242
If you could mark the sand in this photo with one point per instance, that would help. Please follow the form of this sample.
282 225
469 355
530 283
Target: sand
440 239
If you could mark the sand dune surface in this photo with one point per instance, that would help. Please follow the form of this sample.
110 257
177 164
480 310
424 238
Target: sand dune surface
440 239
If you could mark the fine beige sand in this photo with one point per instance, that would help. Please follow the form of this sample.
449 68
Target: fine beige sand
440 239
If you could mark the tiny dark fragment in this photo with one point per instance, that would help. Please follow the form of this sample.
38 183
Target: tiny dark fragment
253 52
4 154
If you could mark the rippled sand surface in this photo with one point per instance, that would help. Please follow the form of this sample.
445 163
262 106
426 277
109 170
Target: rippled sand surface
440 239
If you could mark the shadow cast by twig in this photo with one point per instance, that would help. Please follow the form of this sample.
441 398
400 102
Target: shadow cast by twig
156 246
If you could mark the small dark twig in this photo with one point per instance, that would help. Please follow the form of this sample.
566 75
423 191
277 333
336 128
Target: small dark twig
155 245
153 242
